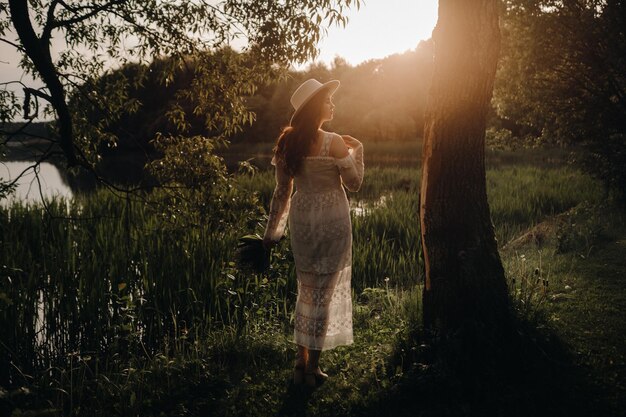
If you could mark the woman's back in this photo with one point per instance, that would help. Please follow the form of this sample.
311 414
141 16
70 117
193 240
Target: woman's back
319 173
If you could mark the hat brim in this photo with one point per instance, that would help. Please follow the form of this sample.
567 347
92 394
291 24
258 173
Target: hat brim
331 86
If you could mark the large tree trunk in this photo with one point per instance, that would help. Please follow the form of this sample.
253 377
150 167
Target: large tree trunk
464 275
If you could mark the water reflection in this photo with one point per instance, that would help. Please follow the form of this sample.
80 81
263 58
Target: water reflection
48 178
363 208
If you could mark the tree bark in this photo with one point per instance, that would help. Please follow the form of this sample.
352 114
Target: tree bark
464 275
38 50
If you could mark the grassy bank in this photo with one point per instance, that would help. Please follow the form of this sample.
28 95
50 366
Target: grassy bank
130 317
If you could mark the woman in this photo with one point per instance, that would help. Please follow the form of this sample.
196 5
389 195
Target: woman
319 223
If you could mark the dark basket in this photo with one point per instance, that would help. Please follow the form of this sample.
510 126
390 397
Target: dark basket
251 255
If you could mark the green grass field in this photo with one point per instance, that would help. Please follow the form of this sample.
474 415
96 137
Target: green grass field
117 314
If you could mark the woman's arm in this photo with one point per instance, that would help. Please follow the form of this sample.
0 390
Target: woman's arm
279 206
348 154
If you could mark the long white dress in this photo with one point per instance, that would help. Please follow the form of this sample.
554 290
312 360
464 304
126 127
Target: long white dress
321 241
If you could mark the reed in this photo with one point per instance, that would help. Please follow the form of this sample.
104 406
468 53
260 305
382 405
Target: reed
117 281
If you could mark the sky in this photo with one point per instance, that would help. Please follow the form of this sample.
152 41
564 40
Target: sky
378 29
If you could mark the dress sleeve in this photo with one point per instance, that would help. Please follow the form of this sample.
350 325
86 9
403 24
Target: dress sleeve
279 206
351 168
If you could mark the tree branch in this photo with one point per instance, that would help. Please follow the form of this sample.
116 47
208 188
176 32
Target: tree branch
16 46
47 30
39 54
94 10
42 158
9 135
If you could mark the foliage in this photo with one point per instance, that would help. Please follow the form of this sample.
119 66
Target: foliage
561 79
501 138
380 100
196 189
581 230
204 95
275 34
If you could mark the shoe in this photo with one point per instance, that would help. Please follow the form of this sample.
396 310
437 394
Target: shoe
298 374
315 378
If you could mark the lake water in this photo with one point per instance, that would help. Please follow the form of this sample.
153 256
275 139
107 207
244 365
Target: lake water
28 189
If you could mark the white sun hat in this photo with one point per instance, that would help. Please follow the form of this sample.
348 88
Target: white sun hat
307 90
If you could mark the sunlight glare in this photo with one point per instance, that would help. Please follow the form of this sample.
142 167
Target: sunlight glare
380 28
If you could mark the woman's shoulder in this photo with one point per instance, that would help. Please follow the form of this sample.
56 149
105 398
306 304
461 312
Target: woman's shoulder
337 148
333 136
342 138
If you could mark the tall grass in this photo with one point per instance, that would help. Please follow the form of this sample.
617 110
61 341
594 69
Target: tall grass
520 197
114 281
119 281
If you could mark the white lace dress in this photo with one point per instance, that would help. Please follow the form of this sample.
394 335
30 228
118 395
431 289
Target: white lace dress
321 241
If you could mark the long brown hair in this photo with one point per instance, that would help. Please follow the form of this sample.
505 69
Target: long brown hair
294 141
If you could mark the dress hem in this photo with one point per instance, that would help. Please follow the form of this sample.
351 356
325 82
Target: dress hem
328 347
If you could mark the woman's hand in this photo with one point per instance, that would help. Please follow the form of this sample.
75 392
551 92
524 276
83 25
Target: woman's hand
350 141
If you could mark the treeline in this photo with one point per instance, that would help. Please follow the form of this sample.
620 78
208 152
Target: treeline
560 80
378 100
